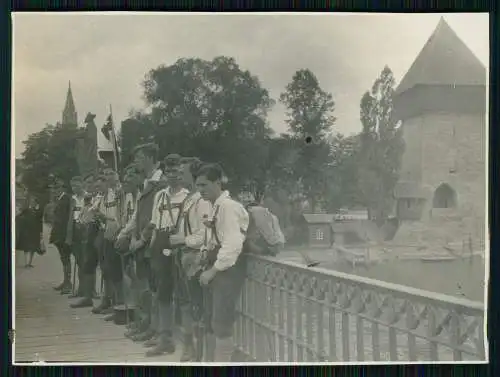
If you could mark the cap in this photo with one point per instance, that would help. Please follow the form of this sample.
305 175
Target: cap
152 148
172 160
195 165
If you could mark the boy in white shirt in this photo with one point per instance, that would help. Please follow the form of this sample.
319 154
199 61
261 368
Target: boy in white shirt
224 271
75 231
165 219
190 240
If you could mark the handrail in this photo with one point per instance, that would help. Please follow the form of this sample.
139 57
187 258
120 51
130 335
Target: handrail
468 306
301 314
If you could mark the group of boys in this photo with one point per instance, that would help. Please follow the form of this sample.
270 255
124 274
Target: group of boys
181 244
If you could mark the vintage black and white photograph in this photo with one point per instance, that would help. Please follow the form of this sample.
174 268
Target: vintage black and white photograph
220 188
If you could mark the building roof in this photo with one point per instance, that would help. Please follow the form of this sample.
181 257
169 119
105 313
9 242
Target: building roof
444 60
318 218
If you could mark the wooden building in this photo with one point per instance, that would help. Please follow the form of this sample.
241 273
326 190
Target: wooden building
319 227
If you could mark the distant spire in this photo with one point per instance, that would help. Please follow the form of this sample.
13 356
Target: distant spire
69 115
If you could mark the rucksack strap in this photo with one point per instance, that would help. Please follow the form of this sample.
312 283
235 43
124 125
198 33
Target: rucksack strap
214 227
187 224
180 215
161 208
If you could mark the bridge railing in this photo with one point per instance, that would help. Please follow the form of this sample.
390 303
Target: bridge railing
288 312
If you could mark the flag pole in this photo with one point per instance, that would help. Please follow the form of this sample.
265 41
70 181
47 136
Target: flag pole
115 156
115 152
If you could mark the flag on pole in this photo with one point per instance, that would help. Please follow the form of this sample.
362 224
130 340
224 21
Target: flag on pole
108 130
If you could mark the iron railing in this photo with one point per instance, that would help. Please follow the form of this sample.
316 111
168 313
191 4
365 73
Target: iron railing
290 313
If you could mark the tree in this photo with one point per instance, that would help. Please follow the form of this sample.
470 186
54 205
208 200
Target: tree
310 118
343 190
137 129
282 158
382 147
213 110
49 154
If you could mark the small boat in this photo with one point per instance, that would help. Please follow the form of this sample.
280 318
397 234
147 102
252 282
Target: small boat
438 258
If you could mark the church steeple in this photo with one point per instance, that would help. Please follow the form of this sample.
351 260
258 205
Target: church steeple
69 115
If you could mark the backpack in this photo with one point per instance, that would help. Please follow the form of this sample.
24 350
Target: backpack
264 235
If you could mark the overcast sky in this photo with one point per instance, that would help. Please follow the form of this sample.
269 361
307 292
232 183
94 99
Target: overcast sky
107 55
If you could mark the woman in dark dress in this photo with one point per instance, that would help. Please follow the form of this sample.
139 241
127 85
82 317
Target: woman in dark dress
29 228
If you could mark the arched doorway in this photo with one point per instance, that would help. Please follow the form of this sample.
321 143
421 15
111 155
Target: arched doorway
444 197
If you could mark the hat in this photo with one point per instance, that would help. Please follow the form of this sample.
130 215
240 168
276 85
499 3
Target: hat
189 160
150 148
172 160
195 165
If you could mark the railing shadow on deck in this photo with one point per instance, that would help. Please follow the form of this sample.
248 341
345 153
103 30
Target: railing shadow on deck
290 313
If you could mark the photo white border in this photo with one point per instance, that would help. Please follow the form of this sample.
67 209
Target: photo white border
152 13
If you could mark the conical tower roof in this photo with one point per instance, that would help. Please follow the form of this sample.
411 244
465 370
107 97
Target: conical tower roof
444 60
69 115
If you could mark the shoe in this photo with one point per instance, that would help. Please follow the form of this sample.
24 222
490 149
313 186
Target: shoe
102 306
66 289
109 318
83 303
153 342
76 295
132 332
108 311
166 346
143 336
59 287
188 352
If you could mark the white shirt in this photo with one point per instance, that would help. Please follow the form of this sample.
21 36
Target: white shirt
154 178
161 217
195 211
77 209
131 223
231 224
111 205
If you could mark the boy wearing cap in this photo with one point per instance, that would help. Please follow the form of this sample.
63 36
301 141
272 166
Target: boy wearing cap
190 240
75 231
165 219
92 220
110 259
58 234
136 235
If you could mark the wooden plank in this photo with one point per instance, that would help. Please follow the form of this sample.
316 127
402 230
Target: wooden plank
48 329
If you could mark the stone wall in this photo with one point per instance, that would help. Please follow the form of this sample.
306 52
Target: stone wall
447 148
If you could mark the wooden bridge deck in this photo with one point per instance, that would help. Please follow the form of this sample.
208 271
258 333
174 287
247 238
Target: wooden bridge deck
47 329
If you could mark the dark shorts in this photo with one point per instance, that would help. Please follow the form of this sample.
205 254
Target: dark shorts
164 277
77 246
163 268
111 264
223 293
90 253
64 251
189 290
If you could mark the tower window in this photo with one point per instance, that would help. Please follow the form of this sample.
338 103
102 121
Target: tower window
444 197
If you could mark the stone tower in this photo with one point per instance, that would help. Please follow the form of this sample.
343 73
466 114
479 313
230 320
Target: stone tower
69 115
442 104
